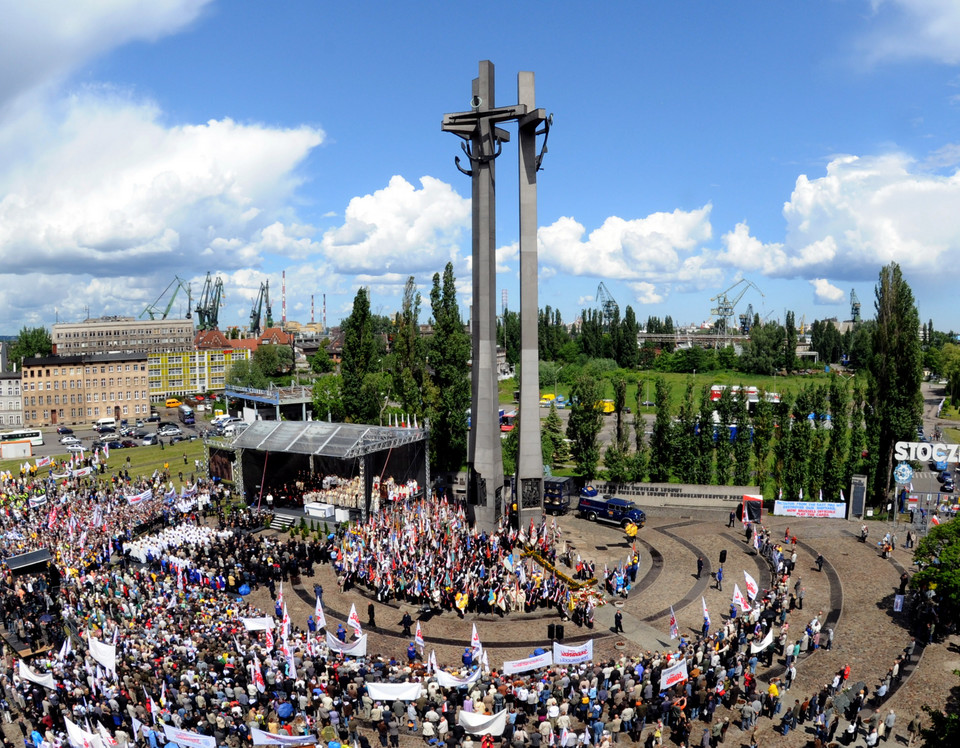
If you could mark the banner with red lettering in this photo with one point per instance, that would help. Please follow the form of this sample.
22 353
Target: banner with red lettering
530 663
671 676
571 655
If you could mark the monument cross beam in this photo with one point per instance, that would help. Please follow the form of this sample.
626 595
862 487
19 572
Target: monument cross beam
483 144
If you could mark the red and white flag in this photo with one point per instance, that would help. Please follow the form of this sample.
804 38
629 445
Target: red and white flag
706 613
674 628
269 639
740 600
285 624
475 639
318 615
934 520
258 675
353 620
418 638
752 587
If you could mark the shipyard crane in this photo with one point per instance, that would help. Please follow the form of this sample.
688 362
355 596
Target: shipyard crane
608 306
256 313
154 309
724 310
746 320
854 306
208 307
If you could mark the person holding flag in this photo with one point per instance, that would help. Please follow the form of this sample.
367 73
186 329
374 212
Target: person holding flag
706 618
674 628
319 619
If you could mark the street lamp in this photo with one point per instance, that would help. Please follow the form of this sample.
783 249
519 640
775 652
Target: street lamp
556 378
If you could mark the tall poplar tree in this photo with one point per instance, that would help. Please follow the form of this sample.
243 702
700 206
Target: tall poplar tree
450 390
661 445
895 374
409 363
358 360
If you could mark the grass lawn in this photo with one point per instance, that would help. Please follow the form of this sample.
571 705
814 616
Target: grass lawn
143 460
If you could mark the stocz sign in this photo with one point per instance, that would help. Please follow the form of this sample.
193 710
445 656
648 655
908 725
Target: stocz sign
924 451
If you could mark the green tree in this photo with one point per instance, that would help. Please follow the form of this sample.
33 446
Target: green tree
685 438
790 343
640 457
409 370
508 335
763 351
705 444
895 374
619 405
450 390
584 424
619 463
244 373
661 444
553 437
741 443
328 398
763 431
273 360
320 362
938 557
30 342
359 358
838 451
724 449
628 354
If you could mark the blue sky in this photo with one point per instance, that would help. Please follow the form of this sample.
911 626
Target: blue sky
797 145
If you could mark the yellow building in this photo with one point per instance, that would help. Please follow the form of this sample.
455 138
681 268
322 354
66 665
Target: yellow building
190 372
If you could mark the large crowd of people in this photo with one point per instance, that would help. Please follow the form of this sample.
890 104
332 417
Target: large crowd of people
170 608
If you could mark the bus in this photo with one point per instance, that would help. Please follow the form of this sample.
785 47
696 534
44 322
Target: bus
186 414
34 436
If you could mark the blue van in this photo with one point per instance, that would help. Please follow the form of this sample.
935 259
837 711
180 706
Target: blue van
609 509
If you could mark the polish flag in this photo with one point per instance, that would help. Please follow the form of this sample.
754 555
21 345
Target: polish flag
318 616
706 613
674 628
752 587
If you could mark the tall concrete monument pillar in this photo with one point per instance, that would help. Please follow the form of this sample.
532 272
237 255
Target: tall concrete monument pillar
483 142
530 457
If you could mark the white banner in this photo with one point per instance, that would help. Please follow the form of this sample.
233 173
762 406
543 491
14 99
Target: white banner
187 739
260 737
259 624
44 680
816 509
483 724
105 654
81 738
530 663
356 648
571 655
671 676
762 645
446 680
393 691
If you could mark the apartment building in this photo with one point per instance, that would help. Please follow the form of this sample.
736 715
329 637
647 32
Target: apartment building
11 407
121 335
81 389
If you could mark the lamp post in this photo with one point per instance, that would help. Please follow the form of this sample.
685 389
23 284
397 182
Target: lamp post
556 379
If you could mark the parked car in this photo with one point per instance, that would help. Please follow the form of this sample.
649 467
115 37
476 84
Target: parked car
154 418
113 444
76 448
127 443
169 430
139 434
150 440
64 430
177 438
948 486
69 440
105 430
609 509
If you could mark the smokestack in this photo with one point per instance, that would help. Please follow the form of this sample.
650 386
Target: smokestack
311 309
283 302
324 312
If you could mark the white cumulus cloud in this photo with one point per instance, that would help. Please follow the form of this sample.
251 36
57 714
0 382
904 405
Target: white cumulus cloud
824 292
646 293
399 229
656 248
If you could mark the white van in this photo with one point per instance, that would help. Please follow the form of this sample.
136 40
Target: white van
217 420
105 422
234 428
